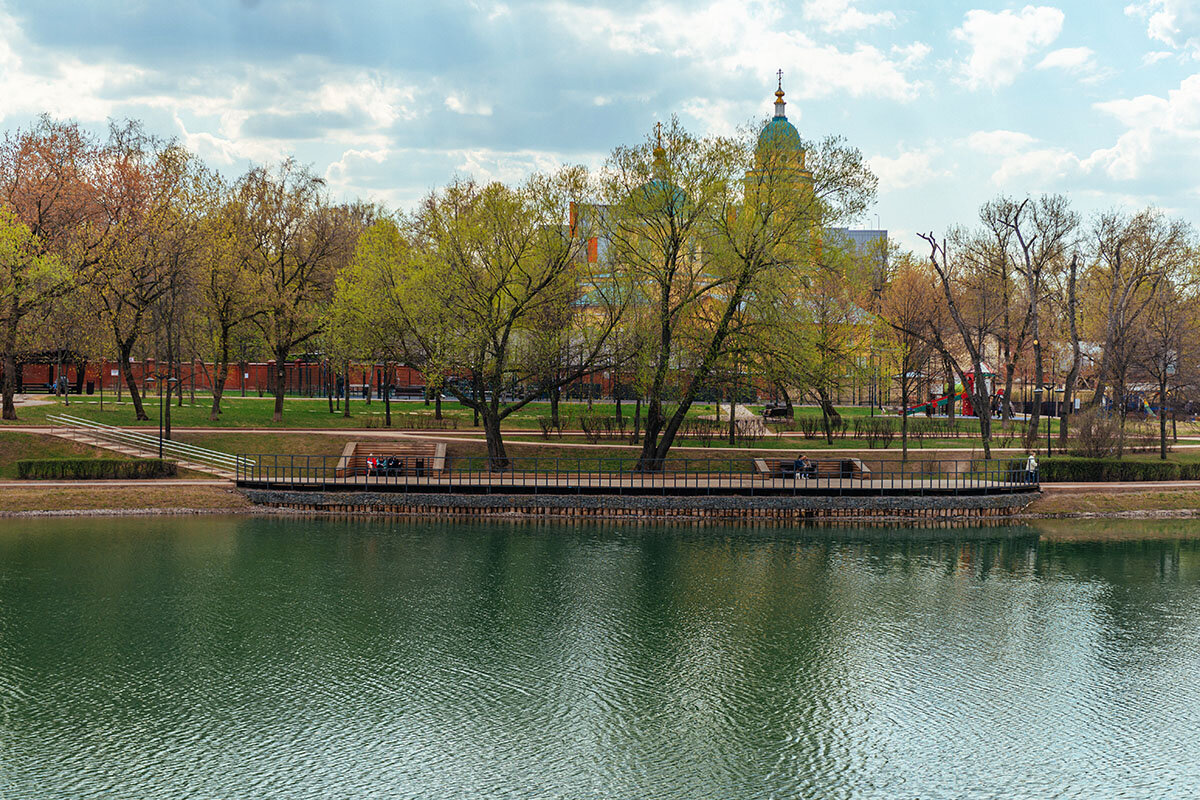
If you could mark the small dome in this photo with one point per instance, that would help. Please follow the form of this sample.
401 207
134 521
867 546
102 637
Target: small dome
780 134
658 191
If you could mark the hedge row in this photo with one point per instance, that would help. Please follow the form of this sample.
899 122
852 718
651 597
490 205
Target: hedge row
94 468
1110 469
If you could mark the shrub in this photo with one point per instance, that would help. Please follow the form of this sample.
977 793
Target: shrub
548 426
701 430
94 468
810 427
1095 435
597 426
877 431
1111 469
749 431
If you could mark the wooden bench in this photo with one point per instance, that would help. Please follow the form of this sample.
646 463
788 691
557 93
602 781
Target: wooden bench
826 468
416 457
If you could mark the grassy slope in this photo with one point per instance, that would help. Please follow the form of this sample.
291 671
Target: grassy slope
16 447
1100 502
121 498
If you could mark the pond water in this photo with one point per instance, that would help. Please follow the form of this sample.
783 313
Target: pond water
280 658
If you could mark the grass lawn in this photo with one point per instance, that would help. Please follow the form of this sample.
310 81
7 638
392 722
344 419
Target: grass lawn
549 454
313 413
1108 502
118 498
16 447
302 412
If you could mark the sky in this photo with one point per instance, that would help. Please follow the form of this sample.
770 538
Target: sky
951 103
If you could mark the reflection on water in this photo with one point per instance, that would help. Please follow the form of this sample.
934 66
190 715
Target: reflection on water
176 658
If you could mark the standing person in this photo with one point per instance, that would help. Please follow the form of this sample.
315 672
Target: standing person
1031 467
64 388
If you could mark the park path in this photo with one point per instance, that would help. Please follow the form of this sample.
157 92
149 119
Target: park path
110 484
469 436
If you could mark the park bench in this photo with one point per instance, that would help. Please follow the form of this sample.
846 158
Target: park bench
825 468
401 458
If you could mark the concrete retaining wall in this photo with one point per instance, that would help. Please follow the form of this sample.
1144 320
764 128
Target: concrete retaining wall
756 509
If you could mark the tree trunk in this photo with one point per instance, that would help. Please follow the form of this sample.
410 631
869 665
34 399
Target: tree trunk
220 373
903 418
732 414
10 365
10 384
555 395
828 414
1069 382
950 389
497 457
387 397
1162 417
126 349
329 386
437 404
637 420
346 384
1010 370
280 381
1039 379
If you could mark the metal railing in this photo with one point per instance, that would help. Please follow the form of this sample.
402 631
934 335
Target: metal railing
676 476
83 428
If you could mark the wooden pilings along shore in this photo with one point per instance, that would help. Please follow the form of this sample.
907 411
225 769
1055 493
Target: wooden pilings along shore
922 510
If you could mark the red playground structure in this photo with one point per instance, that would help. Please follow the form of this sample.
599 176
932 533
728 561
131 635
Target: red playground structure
940 404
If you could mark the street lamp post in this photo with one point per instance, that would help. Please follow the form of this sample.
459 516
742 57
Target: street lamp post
1037 389
155 381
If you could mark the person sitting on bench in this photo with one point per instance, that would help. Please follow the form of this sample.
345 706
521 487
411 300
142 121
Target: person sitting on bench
802 467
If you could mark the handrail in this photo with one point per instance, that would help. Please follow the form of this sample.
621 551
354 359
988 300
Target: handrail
118 435
615 475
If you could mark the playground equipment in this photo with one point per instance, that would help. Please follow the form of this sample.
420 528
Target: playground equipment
962 396
939 404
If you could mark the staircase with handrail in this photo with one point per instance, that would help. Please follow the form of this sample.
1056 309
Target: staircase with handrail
135 443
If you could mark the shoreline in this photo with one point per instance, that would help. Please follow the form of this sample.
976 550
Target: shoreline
208 498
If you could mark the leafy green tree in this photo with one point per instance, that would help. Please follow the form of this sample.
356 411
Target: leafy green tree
295 242
462 290
719 237
30 280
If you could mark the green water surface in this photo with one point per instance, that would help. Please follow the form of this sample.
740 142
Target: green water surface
280 658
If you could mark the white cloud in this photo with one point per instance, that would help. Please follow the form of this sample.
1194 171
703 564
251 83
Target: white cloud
1001 42
908 169
840 16
1071 59
1156 56
460 105
1172 22
911 54
1162 143
70 88
1157 156
1001 142
1022 163
729 36
723 117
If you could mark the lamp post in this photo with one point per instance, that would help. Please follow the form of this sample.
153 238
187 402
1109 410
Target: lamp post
172 380
1037 387
156 382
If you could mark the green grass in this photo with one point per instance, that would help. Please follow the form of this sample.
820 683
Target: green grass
16 447
313 413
